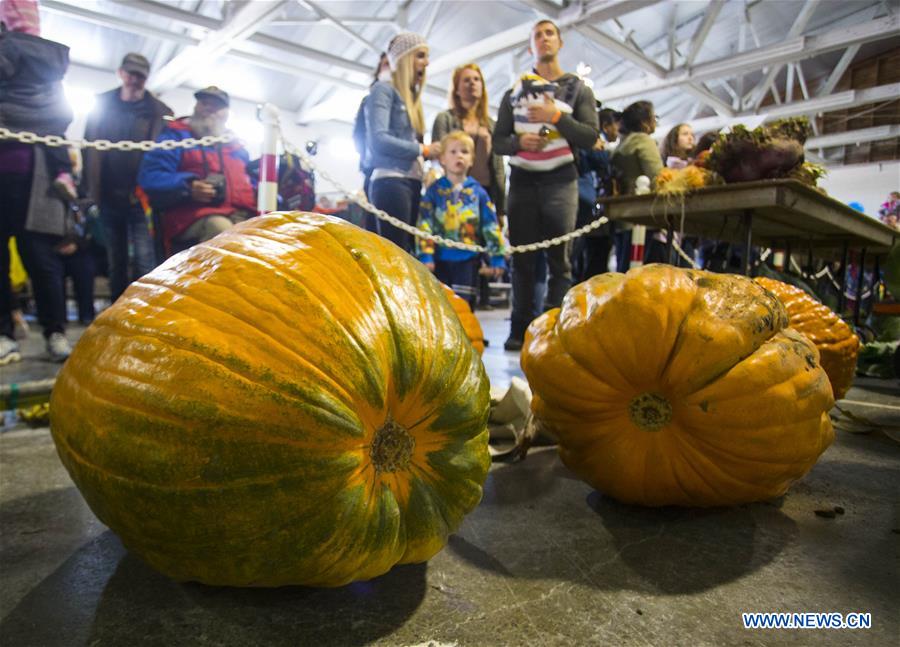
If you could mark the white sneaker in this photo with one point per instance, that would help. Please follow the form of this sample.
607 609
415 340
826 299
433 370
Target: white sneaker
9 351
58 347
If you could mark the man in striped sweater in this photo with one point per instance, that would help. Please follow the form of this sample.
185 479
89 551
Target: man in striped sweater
542 119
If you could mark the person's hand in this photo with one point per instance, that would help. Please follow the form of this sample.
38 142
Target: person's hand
542 113
434 150
202 191
66 249
497 273
430 266
484 133
531 142
599 145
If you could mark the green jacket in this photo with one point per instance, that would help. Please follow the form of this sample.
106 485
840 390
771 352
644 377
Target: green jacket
636 155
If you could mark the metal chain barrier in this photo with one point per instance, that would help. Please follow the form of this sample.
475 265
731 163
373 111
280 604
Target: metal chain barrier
106 145
358 198
354 196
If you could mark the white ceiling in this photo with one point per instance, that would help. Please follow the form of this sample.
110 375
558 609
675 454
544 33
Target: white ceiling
699 60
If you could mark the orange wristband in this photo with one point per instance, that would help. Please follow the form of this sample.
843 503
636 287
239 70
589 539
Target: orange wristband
556 117
424 150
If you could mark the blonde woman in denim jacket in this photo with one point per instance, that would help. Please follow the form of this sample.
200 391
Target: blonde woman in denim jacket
394 133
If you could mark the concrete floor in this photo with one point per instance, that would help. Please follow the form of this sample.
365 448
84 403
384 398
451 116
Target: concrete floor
544 560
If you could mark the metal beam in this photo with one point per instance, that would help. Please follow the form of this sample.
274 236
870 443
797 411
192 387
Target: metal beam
673 29
357 20
850 137
107 20
839 69
344 29
163 10
800 22
792 50
842 100
707 97
622 50
519 35
432 17
709 18
246 19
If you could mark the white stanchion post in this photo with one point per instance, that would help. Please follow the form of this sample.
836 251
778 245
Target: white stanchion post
638 240
267 198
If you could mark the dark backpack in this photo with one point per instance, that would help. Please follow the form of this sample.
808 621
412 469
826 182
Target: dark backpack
359 133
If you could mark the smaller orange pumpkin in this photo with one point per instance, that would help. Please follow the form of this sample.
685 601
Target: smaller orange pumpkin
838 345
467 319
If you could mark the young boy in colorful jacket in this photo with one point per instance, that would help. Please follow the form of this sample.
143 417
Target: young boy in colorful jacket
458 208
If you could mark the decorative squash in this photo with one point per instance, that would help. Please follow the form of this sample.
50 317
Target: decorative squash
838 345
678 182
293 402
672 386
467 318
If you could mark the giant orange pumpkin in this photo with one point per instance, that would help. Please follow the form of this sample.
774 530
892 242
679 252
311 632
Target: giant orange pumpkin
838 345
293 402
467 318
671 386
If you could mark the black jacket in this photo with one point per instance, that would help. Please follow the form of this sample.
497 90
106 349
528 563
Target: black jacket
31 92
109 120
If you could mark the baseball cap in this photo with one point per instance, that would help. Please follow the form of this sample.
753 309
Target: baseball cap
134 62
213 92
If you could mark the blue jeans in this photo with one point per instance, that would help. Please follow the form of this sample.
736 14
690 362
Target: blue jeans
121 225
400 198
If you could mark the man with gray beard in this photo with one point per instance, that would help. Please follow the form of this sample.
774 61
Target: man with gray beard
199 192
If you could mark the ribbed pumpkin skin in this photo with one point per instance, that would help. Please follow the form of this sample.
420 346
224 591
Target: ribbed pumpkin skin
467 318
748 401
224 417
838 345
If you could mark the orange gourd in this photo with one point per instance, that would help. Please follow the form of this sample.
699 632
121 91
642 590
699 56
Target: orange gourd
467 318
292 402
672 386
837 343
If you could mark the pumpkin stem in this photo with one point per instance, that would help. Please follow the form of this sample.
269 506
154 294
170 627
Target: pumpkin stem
392 447
650 411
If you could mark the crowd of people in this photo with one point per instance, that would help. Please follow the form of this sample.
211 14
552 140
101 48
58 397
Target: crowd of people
564 151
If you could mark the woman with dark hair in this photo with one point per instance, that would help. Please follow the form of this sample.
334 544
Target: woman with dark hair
394 132
635 156
705 143
678 146
469 112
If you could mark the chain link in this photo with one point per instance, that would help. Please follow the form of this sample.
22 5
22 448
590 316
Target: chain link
358 198
106 145
354 196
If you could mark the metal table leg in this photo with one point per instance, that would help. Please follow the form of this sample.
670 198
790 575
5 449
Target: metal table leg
857 306
670 238
842 280
747 223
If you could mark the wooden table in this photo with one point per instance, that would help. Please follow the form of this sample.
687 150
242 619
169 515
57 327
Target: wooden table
772 213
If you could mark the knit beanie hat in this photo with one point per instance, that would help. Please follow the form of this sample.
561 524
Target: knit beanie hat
21 16
403 44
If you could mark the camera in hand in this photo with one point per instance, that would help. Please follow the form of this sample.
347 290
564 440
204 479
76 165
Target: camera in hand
217 180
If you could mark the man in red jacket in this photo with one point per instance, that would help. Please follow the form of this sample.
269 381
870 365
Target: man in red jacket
204 190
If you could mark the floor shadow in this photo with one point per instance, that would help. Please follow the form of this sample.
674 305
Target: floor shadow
506 486
104 595
686 550
476 556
